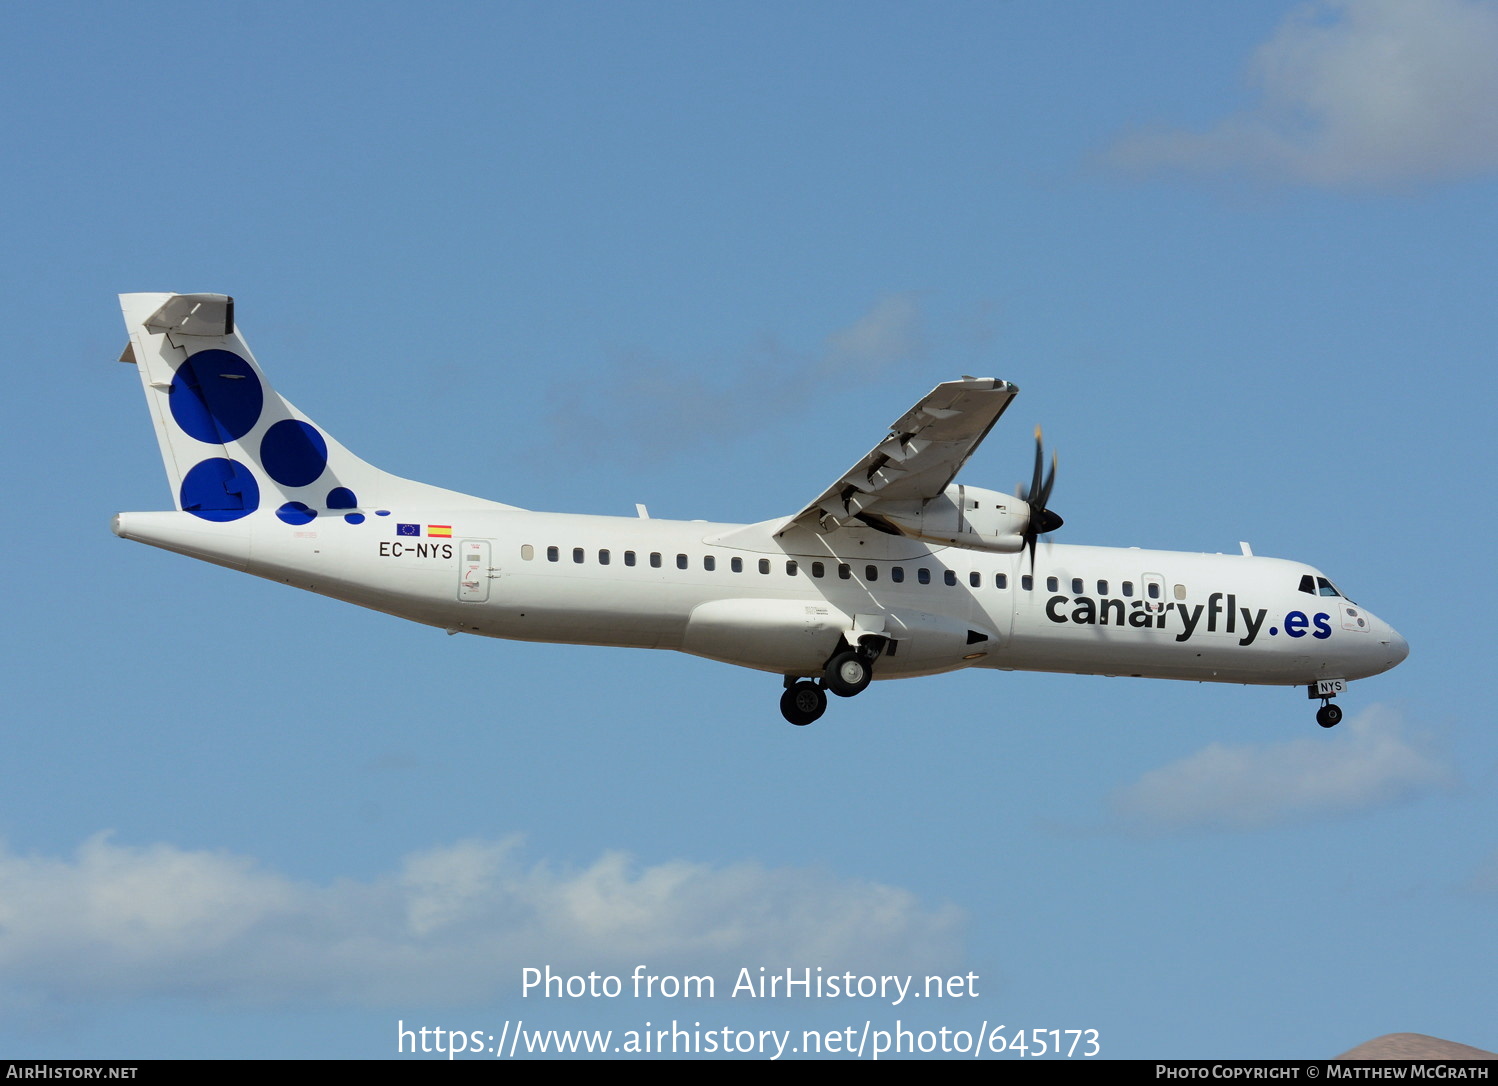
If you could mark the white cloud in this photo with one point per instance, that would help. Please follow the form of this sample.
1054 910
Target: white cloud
887 334
1366 762
452 924
660 407
1356 93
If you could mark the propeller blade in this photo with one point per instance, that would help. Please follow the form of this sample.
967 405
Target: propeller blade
1037 495
1050 481
1034 487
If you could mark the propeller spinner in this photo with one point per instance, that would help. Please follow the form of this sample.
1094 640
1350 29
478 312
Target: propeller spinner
1042 520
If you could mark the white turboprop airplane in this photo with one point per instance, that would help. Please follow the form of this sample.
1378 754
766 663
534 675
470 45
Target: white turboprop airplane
893 571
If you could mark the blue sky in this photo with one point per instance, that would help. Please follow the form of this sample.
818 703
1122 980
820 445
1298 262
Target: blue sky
1240 259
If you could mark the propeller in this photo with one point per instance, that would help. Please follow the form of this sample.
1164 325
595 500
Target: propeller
1042 520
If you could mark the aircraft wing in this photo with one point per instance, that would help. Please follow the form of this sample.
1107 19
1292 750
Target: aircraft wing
925 449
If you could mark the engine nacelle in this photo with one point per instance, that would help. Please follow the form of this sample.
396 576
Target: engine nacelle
963 516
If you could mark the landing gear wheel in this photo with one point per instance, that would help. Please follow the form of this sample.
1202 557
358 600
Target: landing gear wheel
803 703
1329 715
848 673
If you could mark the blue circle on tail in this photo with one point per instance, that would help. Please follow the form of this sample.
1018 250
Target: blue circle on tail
219 489
293 453
296 513
215 397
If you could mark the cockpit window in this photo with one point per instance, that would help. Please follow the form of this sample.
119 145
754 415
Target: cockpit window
1329 589
1319 586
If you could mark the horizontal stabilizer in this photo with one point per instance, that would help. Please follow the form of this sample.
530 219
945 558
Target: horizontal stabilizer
194 315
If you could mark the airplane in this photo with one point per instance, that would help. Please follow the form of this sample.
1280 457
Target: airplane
894 571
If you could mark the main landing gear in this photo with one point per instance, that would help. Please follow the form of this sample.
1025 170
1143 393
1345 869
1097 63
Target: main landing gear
848 673
802 702
1329 715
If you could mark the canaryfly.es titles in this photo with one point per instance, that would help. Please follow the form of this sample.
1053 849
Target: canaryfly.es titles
750 983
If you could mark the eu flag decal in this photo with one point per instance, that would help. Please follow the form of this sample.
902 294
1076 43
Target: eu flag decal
408 529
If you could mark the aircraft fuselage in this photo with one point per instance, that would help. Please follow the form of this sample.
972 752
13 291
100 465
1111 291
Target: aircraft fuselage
894 570
739 594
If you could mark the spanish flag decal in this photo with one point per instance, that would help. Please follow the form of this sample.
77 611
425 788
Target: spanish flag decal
440 531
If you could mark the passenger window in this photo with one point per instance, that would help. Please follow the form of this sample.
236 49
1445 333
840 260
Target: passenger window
1001 580
527 551
949 578
790 568
1128 588
577 555
843 571
553 554
603 558
764 565
629 558
817 569
1102 588
897 574
1180 591
1052 584
1152 590
655 559
681 561
736 564
975 579
871 573
1027 582
1076 586
709 563
923 575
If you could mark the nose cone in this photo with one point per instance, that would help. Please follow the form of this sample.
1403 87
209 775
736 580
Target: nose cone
1397 647
1372 650
1387 650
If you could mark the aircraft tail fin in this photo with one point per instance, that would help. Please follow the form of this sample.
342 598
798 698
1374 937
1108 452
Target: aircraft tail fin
232 446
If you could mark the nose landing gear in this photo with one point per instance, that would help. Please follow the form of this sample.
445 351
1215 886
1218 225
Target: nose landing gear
1329 715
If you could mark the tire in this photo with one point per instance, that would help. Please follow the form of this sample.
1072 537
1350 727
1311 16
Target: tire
848 673
1329 715
803 703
